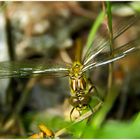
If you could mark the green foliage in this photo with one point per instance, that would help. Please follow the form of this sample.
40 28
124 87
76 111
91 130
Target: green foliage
110 129
109 15
135 5
94 29
77 129
117 129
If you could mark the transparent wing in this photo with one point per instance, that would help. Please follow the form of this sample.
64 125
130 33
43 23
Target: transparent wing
118 53
99 45
32 68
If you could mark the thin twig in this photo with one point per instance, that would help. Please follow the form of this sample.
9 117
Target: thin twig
24 96
109 19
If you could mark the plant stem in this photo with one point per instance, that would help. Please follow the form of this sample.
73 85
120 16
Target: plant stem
112 91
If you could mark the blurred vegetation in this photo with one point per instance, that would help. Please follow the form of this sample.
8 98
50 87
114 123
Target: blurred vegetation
50 30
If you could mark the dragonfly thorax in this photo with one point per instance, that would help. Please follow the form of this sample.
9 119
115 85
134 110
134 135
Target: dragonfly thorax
77 79
76 70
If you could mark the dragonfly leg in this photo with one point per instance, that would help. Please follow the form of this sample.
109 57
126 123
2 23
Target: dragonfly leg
71 113
91 109
90 117
92 89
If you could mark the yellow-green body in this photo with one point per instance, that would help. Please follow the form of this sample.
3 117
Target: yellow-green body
80 86
77 79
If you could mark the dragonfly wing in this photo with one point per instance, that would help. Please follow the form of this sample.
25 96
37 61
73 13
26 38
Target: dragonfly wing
118 53
32 68
101 44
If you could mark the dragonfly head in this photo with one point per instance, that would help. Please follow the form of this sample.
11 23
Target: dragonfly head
80 102
76 70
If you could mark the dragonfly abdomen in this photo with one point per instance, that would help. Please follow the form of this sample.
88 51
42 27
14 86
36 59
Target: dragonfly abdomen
77 85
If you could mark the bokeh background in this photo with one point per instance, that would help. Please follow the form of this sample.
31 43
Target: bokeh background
49 30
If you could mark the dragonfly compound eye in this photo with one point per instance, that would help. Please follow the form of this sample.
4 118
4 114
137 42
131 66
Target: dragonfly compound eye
74 101
84 99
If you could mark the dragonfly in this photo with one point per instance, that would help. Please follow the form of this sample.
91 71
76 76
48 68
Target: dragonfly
81 88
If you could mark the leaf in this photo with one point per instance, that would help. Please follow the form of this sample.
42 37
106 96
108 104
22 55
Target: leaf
94 29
